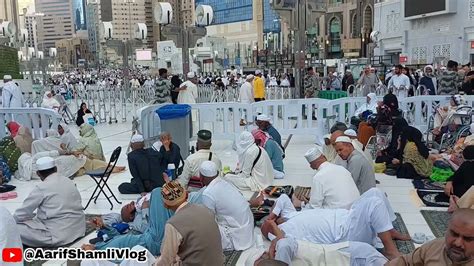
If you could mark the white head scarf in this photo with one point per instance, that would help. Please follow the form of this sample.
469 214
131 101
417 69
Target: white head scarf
244 142
373 99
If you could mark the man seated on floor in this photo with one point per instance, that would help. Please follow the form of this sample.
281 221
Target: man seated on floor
232 211
361 170
192 235
135 214
255 170
332 186
194 161
456 248
370 216
289 251
357 144
146 167
264 123
51 215
170 150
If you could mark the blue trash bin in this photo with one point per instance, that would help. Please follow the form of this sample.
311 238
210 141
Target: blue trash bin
176 119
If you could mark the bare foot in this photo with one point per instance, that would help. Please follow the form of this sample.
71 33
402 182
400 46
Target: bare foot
453 205
399 236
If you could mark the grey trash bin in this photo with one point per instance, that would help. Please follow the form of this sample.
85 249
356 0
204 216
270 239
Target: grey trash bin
176 119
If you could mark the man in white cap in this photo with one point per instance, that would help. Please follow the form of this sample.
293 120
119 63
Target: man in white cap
246 96
190 175
52 214
188 93
332 186
146 167
11 94
264 123
255 171
357 144
232 211
361 169
259 87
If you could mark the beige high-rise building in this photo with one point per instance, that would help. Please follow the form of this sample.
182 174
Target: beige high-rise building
125 15
56 24
9 11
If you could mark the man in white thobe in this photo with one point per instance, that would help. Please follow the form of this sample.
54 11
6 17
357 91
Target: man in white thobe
370 216
194 161
255 170
52 215
246 96
188 93
399 81
299 252
232 211
11 94
332 186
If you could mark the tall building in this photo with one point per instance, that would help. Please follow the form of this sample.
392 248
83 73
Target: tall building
243 23
80 18
344 31
9 11
411 33
57 22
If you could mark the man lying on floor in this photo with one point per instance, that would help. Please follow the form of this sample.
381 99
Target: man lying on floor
289 251
135 214
370 216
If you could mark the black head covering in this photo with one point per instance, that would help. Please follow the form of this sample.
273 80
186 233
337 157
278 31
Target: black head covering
391 101
468 153
414 135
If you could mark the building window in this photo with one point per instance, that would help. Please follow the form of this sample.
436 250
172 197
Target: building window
355 29
471 10
335 36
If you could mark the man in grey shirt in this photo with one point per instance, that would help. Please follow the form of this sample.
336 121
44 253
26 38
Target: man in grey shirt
360 168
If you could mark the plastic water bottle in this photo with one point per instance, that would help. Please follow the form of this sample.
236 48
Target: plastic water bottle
171 171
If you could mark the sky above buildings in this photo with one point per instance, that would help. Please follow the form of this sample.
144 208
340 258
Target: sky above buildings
24 3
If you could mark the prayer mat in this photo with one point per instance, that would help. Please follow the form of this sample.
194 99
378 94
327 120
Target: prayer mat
405 247
427 184
231 257
437 221
277 191
89 229
433 198
302 193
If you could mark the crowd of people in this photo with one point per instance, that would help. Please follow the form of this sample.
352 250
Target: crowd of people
191 215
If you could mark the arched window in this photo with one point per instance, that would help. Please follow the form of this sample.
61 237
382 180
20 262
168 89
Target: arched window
355 29
335 35
368 18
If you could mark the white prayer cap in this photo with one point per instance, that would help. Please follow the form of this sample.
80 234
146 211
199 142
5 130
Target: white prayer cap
208 169
45 163
263 117
7 77
249 77
313 154
258 71
350 133
137 138
344 139
157 145
191 75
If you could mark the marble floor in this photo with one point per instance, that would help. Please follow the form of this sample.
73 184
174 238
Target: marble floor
296 167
